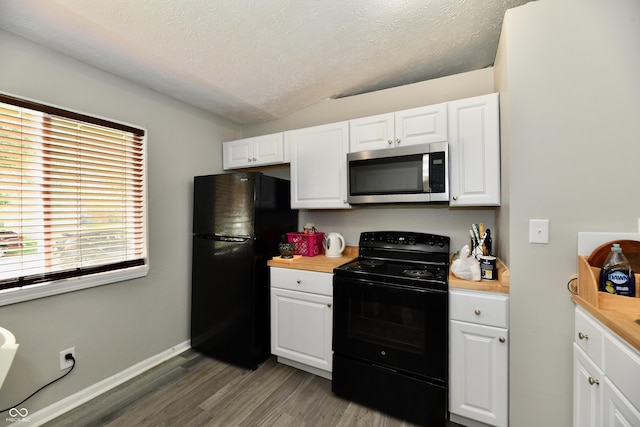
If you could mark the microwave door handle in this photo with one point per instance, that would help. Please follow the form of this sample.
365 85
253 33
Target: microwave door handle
425 173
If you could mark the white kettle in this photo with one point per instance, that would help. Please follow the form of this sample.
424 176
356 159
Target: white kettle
333 244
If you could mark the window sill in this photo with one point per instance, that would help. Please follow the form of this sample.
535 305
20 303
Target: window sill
41 290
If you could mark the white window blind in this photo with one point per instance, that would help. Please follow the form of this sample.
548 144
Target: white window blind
71 194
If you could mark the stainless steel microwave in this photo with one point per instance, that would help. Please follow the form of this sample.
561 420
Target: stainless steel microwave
411 174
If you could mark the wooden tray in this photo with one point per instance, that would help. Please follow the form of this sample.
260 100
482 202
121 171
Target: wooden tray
588 278
630 249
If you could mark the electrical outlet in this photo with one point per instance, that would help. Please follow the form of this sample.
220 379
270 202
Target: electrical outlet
64 363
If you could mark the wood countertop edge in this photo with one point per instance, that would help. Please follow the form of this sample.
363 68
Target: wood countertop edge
621 322
323 264
501 285
319 263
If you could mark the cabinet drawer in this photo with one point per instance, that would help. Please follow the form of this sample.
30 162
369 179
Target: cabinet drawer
621 365
484 308
302 280
589 336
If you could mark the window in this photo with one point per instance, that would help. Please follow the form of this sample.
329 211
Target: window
72 195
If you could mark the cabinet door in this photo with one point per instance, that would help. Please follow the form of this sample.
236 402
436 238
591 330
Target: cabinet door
622 367
421 125
319 166
301 327
587 390
478 372
474 151
589 336
268 149
618 410
485 308
237 154
371 133
251 152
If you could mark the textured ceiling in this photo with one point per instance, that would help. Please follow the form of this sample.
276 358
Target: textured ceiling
258 60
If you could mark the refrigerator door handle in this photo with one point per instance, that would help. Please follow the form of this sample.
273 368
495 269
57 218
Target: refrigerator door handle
233 239
230 239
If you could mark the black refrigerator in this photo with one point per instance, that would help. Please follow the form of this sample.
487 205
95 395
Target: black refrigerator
238 221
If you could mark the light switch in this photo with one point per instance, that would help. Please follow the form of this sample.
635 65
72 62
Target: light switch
538 231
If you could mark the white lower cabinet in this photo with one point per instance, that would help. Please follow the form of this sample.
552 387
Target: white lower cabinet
478 358
618 410
606 373
587 390
302 319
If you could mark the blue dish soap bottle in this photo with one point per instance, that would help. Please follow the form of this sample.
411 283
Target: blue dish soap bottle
616 276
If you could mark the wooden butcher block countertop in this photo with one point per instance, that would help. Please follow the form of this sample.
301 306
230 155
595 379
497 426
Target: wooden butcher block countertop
621 314
499 285
325 264
320 263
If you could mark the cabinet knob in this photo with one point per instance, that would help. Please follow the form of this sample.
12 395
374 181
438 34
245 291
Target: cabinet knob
254 159
298 281
583 336
455 197
477 311
593 381
329 305
248 159
502 339
389 141
398 141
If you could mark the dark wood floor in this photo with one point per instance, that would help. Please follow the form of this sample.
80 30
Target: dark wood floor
193 390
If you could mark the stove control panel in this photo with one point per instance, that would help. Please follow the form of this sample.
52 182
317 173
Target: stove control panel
404 241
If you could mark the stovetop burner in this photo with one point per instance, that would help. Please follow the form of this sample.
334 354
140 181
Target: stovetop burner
371 263
418 273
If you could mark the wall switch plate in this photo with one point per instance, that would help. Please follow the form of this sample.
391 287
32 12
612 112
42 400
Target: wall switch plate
538 231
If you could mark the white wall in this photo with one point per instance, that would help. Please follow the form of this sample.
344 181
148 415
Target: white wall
114 326
569 69
454 223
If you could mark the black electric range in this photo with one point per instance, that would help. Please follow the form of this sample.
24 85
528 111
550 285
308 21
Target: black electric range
390 326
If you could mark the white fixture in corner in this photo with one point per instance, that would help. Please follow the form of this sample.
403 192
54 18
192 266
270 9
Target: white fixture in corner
588 241
8 348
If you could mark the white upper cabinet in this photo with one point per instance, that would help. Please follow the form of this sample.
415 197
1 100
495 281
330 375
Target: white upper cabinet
255 151
407 127
474 151
422 125
319 166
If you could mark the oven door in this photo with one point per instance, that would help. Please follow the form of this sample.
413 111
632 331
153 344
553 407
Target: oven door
396 328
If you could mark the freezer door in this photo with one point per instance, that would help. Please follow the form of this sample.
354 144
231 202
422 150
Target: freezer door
229 301
223 205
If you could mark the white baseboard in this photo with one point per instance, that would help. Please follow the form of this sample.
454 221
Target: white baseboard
60 407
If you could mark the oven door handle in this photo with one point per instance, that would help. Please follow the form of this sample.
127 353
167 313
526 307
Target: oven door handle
386 368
